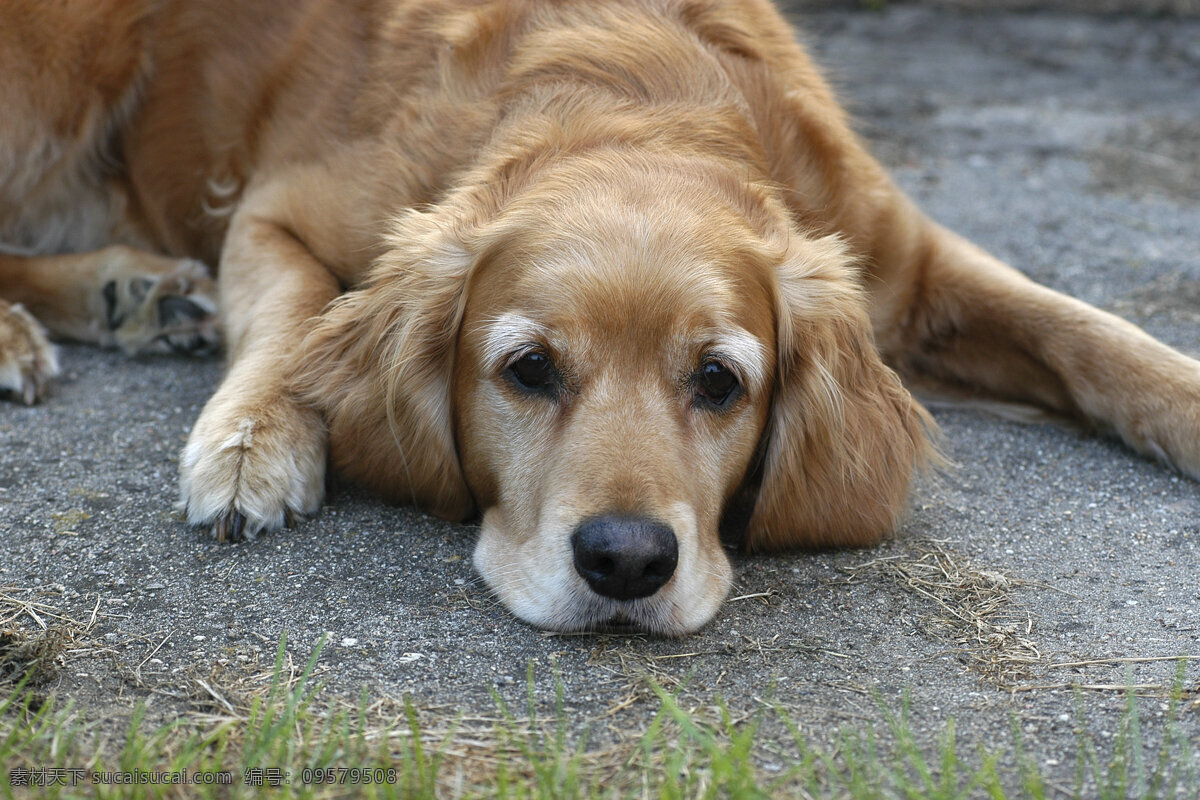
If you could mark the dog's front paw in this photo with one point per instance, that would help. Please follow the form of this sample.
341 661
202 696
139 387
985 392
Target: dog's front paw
155 304
27 359
251 466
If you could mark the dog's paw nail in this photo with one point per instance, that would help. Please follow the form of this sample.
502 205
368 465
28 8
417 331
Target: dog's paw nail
193 343
230 527
19 385
19 388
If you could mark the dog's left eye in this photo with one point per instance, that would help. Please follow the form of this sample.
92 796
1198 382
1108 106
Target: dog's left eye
716 385
534 371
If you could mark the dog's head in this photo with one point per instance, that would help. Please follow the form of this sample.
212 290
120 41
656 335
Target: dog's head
608 367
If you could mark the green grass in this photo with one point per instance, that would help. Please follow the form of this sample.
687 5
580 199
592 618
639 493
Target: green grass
330 749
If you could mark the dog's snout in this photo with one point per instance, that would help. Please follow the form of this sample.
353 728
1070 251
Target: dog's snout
624 557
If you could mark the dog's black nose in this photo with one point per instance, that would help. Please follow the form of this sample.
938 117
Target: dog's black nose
624 557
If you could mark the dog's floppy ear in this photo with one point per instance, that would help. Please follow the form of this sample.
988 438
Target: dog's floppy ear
844 436
378 362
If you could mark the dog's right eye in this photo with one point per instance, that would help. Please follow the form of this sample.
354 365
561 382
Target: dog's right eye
534 372
716 385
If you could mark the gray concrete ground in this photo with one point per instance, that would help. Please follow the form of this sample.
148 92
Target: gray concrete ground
1128 7
1069 145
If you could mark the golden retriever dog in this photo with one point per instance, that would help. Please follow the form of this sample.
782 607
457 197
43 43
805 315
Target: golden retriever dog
614 276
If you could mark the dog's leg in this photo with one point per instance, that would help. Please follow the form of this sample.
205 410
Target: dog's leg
255 457
974 324
117 297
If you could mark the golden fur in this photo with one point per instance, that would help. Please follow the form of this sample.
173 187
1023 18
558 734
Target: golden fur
503 259
72 72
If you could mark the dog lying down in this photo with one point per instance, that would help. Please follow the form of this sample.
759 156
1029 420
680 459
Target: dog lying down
613 275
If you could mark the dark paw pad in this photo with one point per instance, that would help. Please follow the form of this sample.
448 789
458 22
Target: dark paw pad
175 311
113 316
189 325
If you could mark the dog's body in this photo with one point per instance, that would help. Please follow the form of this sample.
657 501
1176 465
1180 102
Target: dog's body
613 274
73 73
